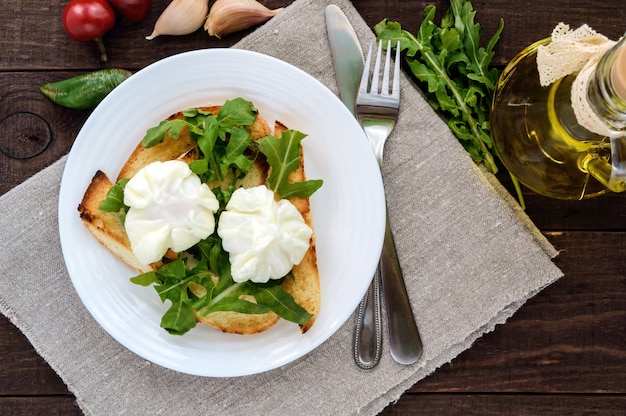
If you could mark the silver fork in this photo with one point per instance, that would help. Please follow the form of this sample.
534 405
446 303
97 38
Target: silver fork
377 111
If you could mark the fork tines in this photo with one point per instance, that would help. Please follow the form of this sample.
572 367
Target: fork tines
370 80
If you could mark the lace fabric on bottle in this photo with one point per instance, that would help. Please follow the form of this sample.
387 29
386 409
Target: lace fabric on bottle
568 52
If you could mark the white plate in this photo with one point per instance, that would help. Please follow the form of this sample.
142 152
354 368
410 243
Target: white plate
348 211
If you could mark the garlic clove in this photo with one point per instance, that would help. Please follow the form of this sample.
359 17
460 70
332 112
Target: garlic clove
181 17
228 16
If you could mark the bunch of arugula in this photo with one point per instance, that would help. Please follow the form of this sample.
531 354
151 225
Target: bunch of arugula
455 73
199 281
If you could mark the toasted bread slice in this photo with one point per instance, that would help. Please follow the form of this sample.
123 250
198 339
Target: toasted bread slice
108 230
106 227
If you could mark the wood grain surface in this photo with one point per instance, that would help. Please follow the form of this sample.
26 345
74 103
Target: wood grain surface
562 353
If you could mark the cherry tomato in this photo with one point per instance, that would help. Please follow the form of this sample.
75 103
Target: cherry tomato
88 19
134 10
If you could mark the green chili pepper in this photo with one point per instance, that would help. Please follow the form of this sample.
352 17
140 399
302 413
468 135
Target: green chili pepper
84 91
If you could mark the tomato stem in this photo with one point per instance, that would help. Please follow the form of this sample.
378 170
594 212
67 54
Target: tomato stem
103 51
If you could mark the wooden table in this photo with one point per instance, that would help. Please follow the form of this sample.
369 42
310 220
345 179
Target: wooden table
563 352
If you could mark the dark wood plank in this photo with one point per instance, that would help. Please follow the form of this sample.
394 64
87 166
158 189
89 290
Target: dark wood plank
22 371
34 132
505 404
408 405
39 406
548 214
602 213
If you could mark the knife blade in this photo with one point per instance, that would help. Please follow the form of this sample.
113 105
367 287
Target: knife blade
347 54
348 61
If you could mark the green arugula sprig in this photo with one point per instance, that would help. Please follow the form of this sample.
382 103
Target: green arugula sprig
455 69
223 138
199 281
208 287
114 201
283 155
455 73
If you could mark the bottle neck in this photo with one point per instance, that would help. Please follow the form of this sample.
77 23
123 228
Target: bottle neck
607 88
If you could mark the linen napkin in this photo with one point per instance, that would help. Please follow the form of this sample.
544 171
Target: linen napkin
470 257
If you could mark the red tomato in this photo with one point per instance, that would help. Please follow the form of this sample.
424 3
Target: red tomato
88 19
134 10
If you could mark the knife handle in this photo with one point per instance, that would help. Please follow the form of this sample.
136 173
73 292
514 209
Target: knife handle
367 327
405 342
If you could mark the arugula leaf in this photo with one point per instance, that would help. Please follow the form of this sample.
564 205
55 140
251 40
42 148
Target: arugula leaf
234 304
283 155
217 258
156 134
114 200
145 279
173 282
455 72
237 112
208 136
230 299
281 302
234 154
178 319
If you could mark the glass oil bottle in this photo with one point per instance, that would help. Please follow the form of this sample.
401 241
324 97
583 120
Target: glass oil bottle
537 136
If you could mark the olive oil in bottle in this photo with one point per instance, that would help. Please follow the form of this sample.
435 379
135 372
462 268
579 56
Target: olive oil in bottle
537 136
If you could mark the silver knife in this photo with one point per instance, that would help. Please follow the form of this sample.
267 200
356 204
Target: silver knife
347 54
348 60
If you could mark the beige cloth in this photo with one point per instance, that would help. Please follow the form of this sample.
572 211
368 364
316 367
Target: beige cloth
471 258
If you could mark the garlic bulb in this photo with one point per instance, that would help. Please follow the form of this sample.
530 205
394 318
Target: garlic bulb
228 16
180 17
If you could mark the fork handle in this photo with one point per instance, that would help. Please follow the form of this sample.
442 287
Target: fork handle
405 343
367 327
